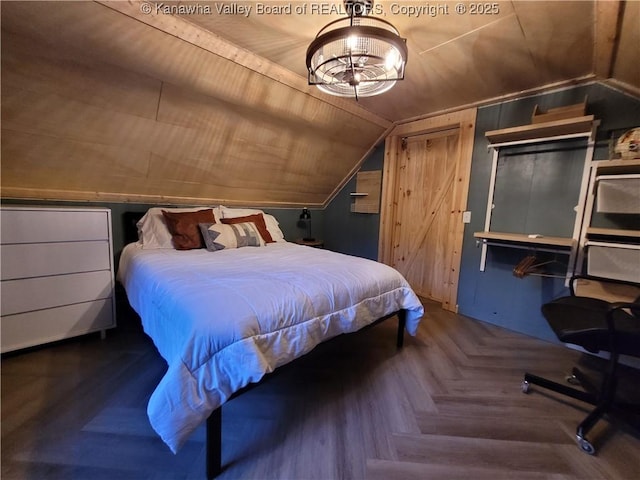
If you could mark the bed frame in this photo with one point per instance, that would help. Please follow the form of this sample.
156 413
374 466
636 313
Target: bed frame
214 422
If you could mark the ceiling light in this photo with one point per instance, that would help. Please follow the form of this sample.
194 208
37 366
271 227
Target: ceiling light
358 56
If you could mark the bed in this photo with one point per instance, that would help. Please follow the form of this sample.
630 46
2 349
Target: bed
224 318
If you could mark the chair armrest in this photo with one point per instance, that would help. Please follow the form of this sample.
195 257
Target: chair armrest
634 309
618 305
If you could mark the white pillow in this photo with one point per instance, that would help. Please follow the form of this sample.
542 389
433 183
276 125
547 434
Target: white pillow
273 227
270 221
220 236
228 212
153 231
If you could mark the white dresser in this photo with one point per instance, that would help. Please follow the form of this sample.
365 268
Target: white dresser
57 274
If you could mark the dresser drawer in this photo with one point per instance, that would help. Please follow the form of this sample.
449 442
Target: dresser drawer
33 328
45 292
41 259
43 225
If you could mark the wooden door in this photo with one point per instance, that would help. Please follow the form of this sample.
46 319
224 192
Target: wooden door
427 167
425 196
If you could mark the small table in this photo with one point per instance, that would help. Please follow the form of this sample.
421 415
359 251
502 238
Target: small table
310 243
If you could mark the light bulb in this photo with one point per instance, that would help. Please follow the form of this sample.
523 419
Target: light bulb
352 42
392 60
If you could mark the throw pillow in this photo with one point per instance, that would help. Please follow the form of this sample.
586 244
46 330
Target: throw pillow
258 219
222 236
184 230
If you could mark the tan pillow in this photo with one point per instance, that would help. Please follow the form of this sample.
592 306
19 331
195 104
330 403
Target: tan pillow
184 230
258 219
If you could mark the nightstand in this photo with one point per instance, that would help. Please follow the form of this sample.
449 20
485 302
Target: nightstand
310 243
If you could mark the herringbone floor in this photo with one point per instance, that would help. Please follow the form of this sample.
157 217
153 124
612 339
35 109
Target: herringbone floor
449 405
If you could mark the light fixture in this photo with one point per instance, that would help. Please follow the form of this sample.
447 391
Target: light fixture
305 220
358 56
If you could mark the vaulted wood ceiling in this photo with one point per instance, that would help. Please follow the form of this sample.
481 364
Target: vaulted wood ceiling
137 101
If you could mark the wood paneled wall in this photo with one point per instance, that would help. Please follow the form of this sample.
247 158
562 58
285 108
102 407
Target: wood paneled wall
103 101
97 105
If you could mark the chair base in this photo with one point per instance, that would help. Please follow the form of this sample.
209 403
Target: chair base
603 400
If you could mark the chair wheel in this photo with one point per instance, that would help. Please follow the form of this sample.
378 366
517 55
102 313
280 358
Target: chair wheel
586 446
525 386
572 379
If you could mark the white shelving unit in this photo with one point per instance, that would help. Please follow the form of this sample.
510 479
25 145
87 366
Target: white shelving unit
536 133
611 252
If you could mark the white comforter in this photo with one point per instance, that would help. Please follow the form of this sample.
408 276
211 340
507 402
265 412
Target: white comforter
223 319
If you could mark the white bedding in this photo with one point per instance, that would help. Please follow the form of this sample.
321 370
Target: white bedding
223 319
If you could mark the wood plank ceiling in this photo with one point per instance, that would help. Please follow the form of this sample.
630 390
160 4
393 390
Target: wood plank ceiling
148 102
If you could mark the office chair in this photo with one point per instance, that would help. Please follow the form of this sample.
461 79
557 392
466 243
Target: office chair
599 315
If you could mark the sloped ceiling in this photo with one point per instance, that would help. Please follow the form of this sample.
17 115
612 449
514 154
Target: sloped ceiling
188 102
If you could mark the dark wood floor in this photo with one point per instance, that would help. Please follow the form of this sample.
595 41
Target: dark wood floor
449 405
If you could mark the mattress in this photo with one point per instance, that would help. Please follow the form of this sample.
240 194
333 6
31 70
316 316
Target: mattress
224 319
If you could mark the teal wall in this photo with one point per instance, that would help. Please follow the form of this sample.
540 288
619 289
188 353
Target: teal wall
548 178
549 175
287 217
348 232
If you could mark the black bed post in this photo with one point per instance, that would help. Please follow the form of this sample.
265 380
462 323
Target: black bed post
214 444
402 322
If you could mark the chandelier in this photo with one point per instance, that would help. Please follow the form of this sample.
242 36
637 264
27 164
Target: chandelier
358 56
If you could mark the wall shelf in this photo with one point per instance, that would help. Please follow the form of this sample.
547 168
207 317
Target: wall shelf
366 198
612 232
542 132
616 167
520 238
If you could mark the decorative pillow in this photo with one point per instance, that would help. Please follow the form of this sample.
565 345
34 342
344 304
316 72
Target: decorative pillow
273 227
152 227
183 227
219 236
258 219
272 224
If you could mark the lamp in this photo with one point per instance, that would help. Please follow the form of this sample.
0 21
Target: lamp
305 217
358 56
